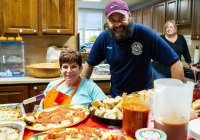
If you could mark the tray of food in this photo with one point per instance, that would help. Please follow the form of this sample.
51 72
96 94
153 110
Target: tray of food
12 112
57 117
108 111
80 133
12 130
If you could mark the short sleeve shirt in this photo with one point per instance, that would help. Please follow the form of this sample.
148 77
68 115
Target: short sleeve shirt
130 60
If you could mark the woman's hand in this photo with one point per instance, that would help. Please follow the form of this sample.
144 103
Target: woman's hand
194 69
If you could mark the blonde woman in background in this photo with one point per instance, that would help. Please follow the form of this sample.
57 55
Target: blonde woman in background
178 44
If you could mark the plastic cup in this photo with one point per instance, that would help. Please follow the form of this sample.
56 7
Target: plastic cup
136 110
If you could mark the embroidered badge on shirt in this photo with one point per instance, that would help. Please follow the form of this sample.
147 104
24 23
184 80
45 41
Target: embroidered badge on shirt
136 48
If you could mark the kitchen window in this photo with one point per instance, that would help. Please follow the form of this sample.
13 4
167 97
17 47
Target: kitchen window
89 24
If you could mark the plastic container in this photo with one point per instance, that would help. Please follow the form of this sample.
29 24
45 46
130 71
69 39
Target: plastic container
150 134
194 130
172 101
12 59
136 110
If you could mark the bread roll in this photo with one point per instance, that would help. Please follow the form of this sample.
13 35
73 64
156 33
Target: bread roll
142 92
109 103
118 99
93 108
110 115
117 112
96 103
119 106
196 105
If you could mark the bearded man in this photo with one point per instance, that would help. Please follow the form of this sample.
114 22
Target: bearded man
128 48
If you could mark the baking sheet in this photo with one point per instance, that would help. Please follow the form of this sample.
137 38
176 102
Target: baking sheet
20 107
15 124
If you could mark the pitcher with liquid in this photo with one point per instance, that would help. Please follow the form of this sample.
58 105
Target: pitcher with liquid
171 107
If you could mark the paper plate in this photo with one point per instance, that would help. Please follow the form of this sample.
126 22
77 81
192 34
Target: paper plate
82 132
39 127
194 129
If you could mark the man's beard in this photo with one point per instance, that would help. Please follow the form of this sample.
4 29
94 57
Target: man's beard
121 35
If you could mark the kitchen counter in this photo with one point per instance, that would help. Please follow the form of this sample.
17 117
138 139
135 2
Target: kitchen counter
30 79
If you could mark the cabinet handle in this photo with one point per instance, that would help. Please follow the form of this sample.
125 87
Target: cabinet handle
58 31
44 30
4 59
183 21
34 31
35 88
197 37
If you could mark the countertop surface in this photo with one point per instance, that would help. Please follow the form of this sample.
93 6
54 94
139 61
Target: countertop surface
30 79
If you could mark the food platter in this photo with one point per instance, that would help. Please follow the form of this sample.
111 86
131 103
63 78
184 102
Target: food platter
78 133
12 112
12 130
57 117
107 121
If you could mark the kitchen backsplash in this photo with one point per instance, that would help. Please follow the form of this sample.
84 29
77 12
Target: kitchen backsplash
35 46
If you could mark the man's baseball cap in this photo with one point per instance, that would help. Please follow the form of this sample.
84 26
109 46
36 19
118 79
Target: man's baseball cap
116 6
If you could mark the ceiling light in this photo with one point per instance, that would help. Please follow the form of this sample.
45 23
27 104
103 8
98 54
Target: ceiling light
92 0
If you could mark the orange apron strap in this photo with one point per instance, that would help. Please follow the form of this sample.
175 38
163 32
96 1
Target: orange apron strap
68 100
51 96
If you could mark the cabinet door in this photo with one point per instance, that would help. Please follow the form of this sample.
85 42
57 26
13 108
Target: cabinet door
20 16
184 11
159 17
137 16
105 86
147 16
84 56
134 16
14 94
1 19
196 20
36 89
171 7
58 16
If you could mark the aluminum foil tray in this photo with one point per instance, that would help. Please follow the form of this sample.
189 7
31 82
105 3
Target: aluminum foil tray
15 124
14 106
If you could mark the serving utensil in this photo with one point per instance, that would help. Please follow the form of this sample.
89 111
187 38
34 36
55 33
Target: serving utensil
30 100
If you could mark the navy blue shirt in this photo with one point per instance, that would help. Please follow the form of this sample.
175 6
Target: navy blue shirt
130 60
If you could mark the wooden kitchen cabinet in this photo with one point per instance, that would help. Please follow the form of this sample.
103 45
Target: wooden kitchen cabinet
147 16
38 16
184 11
20 16
196 20
171 10
14 94
57 16
1 19
104 85
158 17
84 56
36 89
137 16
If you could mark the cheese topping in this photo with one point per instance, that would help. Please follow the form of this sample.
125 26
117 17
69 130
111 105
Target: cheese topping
7 113
9 133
